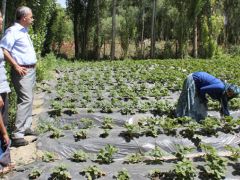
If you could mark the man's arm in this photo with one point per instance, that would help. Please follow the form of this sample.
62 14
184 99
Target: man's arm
213 88
21 70
3 130
224 106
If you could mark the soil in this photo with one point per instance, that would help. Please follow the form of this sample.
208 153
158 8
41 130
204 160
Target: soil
27 154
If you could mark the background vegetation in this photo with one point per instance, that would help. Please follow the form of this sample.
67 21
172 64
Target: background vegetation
139 29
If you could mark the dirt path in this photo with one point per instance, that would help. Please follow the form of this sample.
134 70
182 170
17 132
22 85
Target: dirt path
27 154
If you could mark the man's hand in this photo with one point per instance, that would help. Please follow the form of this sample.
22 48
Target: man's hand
6 139
1 102
21 70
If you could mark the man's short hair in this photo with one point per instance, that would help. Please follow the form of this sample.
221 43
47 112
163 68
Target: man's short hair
22 12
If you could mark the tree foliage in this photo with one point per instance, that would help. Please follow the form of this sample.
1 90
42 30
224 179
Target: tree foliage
180 28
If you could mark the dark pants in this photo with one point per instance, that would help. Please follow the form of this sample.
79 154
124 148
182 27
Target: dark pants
5 158
4 109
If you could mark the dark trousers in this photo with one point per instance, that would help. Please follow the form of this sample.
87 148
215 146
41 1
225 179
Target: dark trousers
4 109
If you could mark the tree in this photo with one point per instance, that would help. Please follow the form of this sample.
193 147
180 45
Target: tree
127 25
3 13
97 36
113 29
153 29
232 23
195 10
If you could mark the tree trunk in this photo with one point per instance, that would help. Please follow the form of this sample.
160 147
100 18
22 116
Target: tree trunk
97 43
76 34
195 42
142 33
86 29
113 29
153 29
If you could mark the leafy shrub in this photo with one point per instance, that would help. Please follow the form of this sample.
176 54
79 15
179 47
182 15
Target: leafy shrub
81 134
79 156
93 172
56 133
86 123
105 155
134 158
122 175
184 169
215 166
157 153
61 173
34 174
49 157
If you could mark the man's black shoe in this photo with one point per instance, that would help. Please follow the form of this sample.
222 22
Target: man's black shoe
31 133
19 142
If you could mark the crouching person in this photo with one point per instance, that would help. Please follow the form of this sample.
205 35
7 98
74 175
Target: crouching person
193 102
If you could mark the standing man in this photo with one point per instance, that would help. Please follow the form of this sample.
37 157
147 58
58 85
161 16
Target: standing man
19 52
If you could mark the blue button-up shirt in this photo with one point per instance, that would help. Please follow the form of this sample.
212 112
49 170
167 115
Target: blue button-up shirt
18 43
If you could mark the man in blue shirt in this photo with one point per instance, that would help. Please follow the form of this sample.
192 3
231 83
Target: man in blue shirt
19 52
193 102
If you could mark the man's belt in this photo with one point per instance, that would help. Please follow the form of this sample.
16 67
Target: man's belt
28 66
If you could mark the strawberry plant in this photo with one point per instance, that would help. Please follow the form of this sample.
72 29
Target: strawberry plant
157 153
45 127
182 151
230 124
169 126
184 120
143 107
90 110
235 104
210 125
49 157
191 133
213 105
57 108
134 158
150 126
86 123
106 107
81 134
99 95
92 172
105 155
56 133
61 173
163 108
67 127
157 174
127 109
79 156
131 130
215 166
107 123
235 152
184 169
122 175
87 97
34 174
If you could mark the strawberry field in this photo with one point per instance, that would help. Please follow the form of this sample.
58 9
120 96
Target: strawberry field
115 120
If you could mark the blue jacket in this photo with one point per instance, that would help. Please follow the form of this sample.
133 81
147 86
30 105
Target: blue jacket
214 87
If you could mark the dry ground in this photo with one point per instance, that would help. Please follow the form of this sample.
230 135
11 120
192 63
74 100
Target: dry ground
26 154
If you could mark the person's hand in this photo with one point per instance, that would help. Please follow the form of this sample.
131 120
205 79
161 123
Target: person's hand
21 70
1 102
6 139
